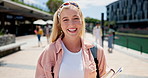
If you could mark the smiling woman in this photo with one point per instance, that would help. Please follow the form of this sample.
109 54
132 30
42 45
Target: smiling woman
68 56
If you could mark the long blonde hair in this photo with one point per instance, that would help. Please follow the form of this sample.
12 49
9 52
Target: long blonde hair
56 29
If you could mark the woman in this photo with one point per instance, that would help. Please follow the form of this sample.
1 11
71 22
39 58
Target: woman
39 33
68 56
111 32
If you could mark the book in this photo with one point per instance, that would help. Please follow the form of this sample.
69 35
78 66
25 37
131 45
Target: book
112 74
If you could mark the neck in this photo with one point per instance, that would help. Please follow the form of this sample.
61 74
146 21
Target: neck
73 45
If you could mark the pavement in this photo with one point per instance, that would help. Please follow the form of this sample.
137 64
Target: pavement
22 64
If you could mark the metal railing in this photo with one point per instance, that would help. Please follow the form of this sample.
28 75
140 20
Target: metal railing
129 43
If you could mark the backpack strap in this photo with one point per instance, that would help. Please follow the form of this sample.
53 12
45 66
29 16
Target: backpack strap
94 53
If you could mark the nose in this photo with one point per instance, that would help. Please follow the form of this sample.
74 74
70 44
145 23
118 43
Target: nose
71 23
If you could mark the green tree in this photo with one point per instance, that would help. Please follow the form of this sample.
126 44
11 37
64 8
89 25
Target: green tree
106 23
53 5
91 20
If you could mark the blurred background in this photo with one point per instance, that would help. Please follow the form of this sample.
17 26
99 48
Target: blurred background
19 18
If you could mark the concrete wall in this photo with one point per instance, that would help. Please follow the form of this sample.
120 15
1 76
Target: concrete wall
7 39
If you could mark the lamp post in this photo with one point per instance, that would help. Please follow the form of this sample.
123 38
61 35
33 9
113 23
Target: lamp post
102 26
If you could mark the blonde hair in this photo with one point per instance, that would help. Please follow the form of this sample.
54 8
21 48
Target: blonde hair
56 29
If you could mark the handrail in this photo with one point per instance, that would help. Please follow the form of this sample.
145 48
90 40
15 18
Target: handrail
127 41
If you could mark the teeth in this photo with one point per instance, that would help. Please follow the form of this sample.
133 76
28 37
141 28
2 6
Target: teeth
72 29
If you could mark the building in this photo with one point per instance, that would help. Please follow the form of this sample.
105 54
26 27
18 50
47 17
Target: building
128 13
18 19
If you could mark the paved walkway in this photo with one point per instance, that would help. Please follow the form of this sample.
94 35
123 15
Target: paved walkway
22 64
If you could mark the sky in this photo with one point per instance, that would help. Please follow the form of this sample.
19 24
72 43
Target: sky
90 8
93 8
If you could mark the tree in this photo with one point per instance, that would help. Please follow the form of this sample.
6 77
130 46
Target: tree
106 23
53 5
91 20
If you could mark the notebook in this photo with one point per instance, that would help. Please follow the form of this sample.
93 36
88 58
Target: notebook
112 74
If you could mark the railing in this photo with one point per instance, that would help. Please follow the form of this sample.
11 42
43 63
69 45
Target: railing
129 42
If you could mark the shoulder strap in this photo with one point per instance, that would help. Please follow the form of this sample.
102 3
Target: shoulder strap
94 53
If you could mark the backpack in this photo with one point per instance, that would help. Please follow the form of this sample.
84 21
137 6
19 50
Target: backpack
94 53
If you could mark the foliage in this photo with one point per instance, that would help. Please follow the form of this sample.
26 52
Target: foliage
28 5
107 23
90 23
112 23
53 5
2 32
91 20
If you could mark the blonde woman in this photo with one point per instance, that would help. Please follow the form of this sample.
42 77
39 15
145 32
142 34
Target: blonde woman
68 56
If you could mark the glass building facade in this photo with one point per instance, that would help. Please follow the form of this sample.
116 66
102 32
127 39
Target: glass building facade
128 13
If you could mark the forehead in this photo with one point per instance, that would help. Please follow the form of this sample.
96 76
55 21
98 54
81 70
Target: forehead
69 12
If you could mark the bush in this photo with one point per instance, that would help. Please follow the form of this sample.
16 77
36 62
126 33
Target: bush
2 32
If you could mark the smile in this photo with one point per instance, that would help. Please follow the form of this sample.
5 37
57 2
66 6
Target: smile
72 29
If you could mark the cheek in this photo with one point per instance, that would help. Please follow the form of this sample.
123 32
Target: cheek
63 26
80 24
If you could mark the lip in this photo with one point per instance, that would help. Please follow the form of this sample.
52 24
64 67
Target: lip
72 30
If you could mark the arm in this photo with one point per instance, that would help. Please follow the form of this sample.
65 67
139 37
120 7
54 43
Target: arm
45 64
35 31
40 69
102 61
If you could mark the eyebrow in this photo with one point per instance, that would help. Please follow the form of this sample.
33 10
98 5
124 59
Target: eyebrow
75 16
67 17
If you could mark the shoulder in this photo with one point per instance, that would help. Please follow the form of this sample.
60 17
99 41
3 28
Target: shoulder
100 51
54 47
48 54
100 48
49 50
88 45
95 27
50 46
40 29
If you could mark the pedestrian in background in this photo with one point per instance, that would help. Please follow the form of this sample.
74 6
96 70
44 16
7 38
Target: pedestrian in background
97 32
47 31
39 32
68 56
111 32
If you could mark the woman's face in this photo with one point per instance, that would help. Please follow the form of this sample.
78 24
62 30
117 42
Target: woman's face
71 22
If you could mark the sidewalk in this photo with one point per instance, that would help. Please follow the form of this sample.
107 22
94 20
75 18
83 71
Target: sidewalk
135 64
22 64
